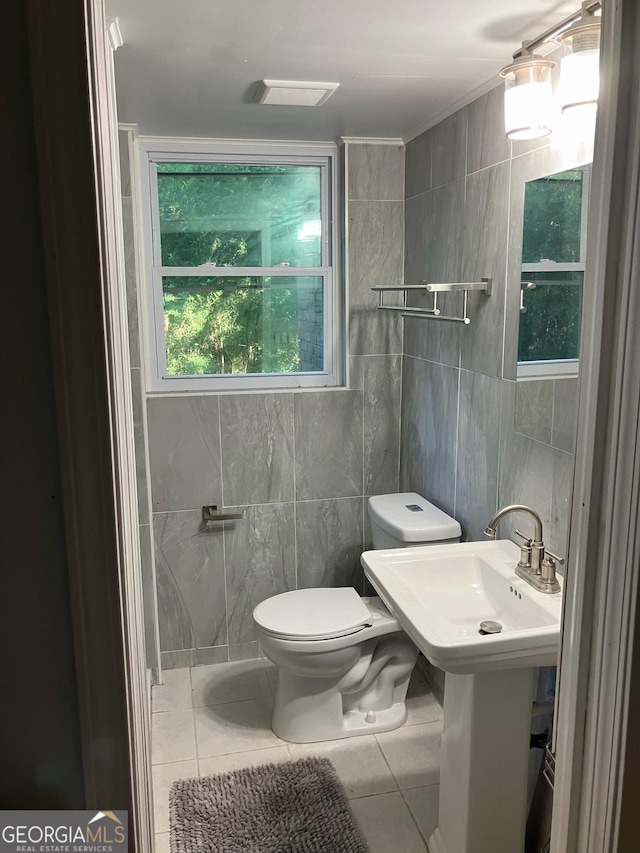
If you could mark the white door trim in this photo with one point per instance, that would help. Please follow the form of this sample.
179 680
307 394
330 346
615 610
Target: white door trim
106 153
593 692
602 576
74 113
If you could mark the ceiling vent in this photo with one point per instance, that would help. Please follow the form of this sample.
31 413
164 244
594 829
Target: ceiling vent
294 93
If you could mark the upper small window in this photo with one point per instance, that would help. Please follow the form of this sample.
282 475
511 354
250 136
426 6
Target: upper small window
242 289
553 263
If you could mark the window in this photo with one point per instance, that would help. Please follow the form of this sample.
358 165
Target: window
241 293
553 262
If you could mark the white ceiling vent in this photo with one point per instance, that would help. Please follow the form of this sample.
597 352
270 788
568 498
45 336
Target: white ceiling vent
295 93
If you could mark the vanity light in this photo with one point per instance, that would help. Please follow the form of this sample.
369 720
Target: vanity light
579 65
528 97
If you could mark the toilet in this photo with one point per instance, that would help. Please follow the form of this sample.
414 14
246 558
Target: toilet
343 661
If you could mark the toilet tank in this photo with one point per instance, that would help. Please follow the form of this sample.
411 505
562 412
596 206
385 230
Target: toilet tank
406 519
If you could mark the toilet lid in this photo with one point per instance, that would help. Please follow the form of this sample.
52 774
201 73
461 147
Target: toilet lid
312 614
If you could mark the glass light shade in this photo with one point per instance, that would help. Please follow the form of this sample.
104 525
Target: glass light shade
528 98
580 67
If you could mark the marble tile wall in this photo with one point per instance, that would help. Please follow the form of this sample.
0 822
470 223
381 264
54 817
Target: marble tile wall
299 464
473 439
547 411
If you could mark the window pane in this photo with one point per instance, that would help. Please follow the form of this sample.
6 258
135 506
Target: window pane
219 325
239 214
550 326
552 216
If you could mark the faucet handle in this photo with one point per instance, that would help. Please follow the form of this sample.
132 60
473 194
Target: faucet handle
525 550
548 571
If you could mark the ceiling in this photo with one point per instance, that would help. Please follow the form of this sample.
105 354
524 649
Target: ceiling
191 67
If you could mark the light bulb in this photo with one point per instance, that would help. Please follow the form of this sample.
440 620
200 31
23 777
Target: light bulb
528 97
580 66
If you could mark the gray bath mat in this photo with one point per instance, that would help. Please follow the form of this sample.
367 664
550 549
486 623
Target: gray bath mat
293 807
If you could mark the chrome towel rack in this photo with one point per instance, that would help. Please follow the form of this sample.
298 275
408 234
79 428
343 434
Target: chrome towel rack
433 313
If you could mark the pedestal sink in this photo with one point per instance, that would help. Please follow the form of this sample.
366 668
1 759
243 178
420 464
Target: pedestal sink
440 595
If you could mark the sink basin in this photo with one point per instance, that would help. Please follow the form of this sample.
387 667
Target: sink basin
441 593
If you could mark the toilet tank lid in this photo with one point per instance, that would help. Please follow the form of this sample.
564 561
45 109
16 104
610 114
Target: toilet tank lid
411 518
312 613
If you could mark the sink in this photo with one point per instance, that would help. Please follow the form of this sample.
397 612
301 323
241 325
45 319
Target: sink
441 593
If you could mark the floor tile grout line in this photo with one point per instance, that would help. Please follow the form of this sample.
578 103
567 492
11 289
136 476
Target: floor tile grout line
193 712
177 761
406 806
245 751
420 833
370 796
266 692
172 710
384 757
230 702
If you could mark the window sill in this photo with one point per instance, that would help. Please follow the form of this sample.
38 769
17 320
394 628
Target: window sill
529 371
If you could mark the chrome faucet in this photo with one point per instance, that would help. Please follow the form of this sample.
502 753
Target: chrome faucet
535 567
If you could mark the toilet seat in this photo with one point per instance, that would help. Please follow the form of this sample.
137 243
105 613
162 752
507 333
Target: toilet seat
313 614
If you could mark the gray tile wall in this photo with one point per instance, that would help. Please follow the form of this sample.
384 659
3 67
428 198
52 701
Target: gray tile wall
472 438
547 411
300 464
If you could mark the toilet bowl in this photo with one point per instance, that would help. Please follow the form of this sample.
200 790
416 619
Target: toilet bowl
343 661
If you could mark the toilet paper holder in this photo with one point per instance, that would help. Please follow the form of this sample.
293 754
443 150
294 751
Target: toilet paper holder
212 513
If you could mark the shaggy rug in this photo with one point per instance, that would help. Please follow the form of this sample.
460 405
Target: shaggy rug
294 807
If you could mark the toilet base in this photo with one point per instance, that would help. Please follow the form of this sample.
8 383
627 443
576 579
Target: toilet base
354 723
368 699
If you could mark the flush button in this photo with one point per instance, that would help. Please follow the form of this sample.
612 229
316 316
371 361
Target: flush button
414 508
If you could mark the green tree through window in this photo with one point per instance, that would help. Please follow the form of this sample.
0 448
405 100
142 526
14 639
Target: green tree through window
553 262
230 216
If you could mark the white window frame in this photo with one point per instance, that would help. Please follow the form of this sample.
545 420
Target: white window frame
568 367
324 155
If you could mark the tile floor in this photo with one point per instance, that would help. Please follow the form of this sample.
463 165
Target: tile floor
211 719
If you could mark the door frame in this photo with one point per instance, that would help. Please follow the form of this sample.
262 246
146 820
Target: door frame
595 703
78 168
75 123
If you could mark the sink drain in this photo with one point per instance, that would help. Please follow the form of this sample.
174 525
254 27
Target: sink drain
490 627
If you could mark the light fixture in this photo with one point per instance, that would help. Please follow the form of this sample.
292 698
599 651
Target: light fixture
579 65
528 97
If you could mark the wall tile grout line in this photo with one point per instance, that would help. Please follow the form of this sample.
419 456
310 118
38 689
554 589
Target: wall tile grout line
457 433
485 151
224 537
364 386
331 411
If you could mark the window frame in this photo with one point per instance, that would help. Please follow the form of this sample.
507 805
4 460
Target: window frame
558 368
323 155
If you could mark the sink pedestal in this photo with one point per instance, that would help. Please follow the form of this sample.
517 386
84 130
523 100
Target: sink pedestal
440 595
484 762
